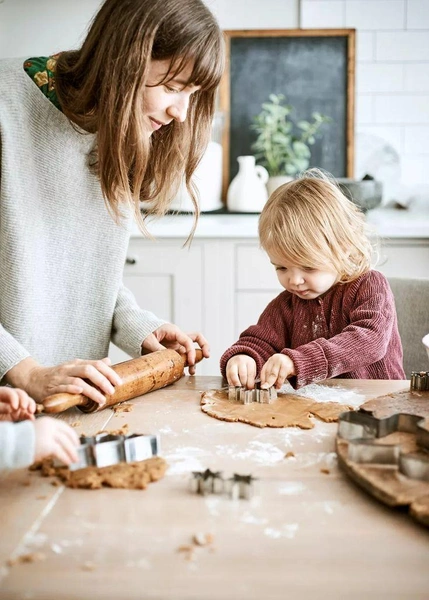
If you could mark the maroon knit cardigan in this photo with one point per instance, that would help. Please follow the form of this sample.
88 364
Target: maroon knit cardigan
350 332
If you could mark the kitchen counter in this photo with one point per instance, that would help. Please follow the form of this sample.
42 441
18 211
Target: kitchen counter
387 223
305 534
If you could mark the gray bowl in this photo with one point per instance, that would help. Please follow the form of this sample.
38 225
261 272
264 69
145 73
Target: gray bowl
366 193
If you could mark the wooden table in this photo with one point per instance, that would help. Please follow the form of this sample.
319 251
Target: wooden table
306 533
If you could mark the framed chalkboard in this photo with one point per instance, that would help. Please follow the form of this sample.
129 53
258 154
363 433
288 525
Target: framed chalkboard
313 69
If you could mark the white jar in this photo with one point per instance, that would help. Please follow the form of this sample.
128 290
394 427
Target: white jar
247 192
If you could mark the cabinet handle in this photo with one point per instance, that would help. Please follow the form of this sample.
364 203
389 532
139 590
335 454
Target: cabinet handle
130 261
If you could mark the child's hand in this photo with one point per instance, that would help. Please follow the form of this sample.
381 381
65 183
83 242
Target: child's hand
55 438
16 405
241 370
276 370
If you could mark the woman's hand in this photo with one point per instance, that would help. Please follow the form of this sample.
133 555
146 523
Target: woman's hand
16 405
241 370
170 336
74 377
55 438
276 370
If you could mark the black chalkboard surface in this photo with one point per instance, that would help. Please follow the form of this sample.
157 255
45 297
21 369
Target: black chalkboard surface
314 69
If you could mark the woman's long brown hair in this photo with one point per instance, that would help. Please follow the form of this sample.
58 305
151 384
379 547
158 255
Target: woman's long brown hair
101 88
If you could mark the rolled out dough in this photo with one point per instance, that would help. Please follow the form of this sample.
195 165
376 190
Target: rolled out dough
289 410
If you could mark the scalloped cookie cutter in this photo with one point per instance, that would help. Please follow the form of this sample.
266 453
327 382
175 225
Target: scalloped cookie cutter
238 393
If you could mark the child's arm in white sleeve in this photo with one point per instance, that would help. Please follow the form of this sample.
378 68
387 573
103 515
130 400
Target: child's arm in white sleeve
17 444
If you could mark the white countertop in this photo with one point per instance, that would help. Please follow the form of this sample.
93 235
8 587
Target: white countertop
387 222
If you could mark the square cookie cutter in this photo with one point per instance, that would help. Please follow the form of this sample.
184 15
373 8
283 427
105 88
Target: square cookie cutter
106 449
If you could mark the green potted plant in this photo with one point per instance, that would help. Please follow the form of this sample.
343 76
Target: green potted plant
281 146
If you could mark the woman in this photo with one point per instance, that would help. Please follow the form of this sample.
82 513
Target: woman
85 136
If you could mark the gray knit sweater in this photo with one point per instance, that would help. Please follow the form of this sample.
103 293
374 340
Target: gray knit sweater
61 253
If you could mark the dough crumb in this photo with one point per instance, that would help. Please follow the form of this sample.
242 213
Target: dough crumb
123 407
187 551
26 483
290 454
202 539
89 566
75 424
325 471
41 497
122 431
199 541
31 557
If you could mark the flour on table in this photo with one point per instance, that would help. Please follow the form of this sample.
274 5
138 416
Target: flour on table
260 452
326 393
288 531
291 488
185 460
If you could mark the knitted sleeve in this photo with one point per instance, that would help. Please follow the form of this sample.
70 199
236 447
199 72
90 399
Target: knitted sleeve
131 324
364 341
269 336
17 444
11 351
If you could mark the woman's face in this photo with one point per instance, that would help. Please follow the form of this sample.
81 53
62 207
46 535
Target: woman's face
168 101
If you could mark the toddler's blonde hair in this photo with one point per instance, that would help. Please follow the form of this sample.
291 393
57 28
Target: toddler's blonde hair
310 223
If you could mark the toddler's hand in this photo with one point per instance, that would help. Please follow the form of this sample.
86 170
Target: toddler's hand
16 405
55 438
276 370
241 370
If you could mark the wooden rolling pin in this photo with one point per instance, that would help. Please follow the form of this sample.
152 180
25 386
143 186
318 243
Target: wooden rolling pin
139 376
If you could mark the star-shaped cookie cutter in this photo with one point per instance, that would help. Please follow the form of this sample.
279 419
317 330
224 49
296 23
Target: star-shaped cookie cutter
207 482
241 486
212 482
106 449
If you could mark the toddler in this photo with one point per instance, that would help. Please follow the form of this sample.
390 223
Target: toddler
336 317
29 440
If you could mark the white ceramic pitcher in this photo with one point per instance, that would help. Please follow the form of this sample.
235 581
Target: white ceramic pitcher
247 192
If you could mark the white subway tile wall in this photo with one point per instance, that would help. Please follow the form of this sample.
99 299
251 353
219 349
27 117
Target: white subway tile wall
392 72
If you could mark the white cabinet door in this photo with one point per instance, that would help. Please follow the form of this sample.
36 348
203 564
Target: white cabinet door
166 280
408 258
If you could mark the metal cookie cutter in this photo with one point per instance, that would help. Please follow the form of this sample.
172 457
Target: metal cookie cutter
212 482
241 486
105 449
419 380
237 393
360 430
207 482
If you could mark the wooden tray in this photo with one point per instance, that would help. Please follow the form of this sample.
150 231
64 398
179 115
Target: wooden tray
384 481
